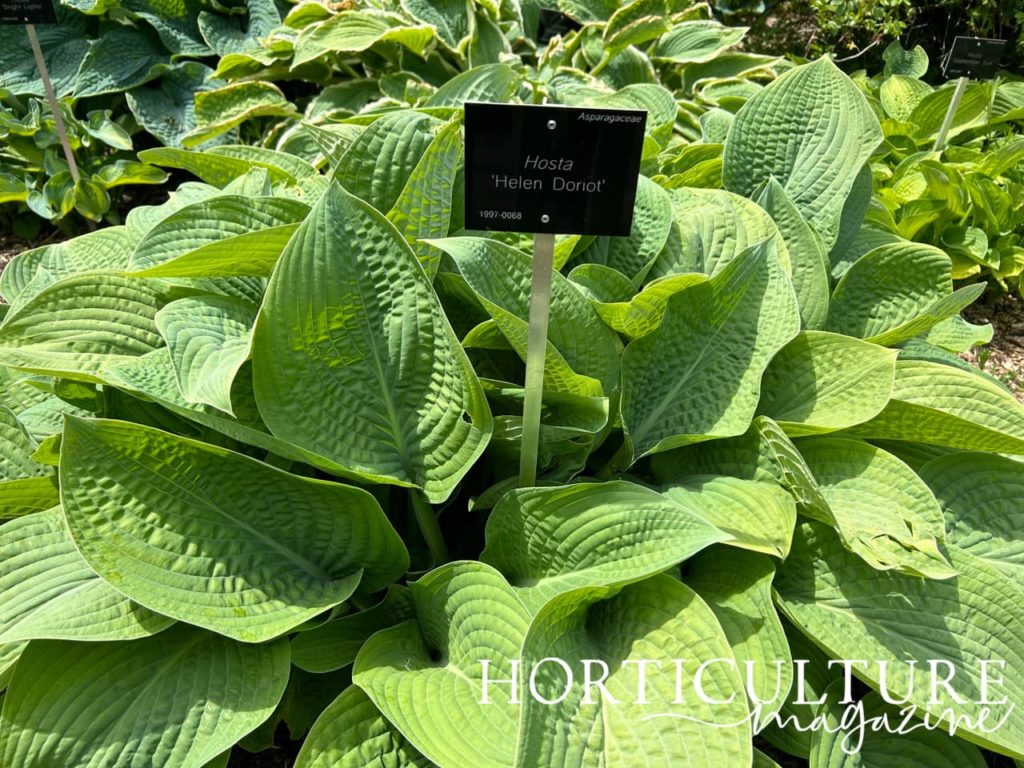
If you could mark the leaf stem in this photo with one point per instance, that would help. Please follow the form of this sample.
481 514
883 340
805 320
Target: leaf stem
427 521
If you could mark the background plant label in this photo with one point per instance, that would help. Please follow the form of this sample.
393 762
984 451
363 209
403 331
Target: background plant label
552 169
973 57
27 12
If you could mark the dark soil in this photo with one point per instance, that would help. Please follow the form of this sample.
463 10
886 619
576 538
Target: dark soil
1004 357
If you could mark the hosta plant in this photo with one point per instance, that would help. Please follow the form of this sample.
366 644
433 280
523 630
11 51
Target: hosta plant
259 471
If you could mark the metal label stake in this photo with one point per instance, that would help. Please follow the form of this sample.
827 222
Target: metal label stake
947 121
51 97
536 348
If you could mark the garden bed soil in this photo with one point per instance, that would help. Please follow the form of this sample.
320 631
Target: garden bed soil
1004 357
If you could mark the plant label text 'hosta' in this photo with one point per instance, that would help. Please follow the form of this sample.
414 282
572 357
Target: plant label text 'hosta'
552 169
27 12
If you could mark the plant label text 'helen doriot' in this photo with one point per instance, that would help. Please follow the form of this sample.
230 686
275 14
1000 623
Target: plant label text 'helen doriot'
552 169
27 12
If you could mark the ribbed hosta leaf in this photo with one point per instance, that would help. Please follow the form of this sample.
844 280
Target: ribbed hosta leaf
652 219
900 95
221 109
158 517
209 340
548 541
175 700
353 31
643 313
76 327
221 236
491 82
698 376
929 405
369 374
711 228
758 515
897 292
51 592
335 643
466 612
424 208
658 619
855 612
696 41
352 733
883 511
16 449
812 130
807 254
834 746
981 497
823 382
737 586
580 347
27 495
380 162
104 249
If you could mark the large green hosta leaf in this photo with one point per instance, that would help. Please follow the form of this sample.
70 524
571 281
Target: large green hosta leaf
929 405
352 733
209 340
980 495
368 374
161 518
824 382
855 612
580 347
175 700
548 541
16 449
76 327
224 236
698 376
884 512
812 130
51 592
896 292
658 619
354 31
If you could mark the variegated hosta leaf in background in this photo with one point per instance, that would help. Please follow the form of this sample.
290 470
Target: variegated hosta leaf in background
240 430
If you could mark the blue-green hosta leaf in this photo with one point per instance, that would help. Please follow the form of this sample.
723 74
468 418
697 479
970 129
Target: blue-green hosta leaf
175 23
884 512
51 592
175 700
491 82
226 35
424 208
812 130
854 235
334 644
168 111
899 61
209 339
711 228
216 169
737 586
466 612
450 17
64 45
643 313
807 254
855 612
379 164
660 620
941 405
290 166
897 292
955 334
219 110
652 219
76 327
27 495
635 23
549 541
369 375
980 495
698 376
823 382
223 236
696 41
580 347
120 59
157 516
16 449
104 249
759 515
931 110
355 31
834 746
900 95
352 733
